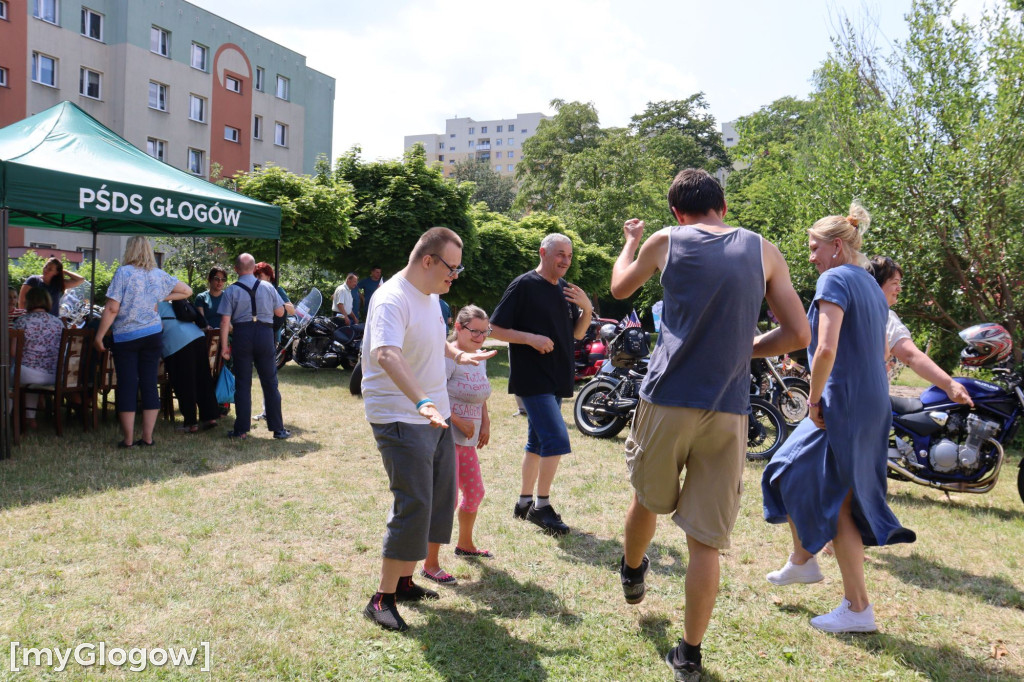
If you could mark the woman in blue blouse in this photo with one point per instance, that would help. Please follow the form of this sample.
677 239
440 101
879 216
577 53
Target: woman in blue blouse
131 309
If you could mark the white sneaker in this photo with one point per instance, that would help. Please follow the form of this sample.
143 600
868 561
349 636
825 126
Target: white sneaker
842 619
796 573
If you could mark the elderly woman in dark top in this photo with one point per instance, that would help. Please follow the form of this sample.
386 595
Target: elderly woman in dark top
55 280
42 343
132 297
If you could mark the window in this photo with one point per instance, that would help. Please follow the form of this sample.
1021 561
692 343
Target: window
440 157
45 10
197 108
88 254
199 57
451 162
3 9
511 167
280 135
157 96
472 131
89 83
3 77
156 148
483 129
233 84
511 127
499 129
451 149
498 155
497 143
523 131
257 127
452 135
259 78
256 167
196 160
282 87
232 134
92 24
510 153
511 140
159 41
44 69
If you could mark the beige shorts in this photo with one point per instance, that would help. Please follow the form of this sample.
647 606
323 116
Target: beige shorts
710 446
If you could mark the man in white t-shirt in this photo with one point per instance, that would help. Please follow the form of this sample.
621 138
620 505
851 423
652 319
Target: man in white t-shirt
405 396
341 302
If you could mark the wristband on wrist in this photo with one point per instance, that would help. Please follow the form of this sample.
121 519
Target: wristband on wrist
425 401
817 404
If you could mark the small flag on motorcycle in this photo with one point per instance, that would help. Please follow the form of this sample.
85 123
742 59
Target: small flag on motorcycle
631 320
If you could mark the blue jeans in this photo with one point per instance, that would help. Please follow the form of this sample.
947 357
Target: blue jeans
546 433
137 363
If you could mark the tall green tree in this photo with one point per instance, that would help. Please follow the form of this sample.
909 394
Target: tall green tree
494 189
395 202
683 132
574 128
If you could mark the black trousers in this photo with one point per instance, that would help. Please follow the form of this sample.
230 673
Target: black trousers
189 371
253 344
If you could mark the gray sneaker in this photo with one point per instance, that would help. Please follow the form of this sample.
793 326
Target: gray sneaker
634 588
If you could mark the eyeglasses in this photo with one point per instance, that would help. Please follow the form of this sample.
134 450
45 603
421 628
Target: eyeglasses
218 279
451 270
479 332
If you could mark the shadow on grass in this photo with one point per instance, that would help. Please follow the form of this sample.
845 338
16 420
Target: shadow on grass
655 629
473 646
906 498
931 575
507 597
589 549
936 663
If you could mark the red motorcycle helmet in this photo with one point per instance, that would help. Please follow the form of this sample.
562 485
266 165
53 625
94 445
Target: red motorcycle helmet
987 344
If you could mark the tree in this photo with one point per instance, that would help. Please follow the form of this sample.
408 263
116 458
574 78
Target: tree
395 202
315 215
681 132
193 255
494 189
574 128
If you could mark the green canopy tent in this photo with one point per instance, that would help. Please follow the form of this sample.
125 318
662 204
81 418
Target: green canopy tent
63 169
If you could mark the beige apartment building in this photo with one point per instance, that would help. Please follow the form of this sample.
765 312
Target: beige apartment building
498 142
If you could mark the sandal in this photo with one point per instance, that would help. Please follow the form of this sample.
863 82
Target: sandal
441 577
193 428
143 444
482 553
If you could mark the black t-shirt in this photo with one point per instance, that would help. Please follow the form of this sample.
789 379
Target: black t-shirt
535 305
55 287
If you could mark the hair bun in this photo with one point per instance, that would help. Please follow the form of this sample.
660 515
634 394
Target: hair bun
853 221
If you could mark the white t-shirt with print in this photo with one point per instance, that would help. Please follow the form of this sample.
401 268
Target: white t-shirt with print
401 315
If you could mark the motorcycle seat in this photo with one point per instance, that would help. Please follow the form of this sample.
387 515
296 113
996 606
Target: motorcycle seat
905 405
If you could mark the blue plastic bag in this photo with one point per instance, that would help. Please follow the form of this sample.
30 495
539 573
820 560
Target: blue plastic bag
225 386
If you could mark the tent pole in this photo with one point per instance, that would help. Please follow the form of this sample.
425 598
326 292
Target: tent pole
6 442
92 284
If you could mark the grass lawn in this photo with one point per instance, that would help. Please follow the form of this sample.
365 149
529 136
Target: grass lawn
269 550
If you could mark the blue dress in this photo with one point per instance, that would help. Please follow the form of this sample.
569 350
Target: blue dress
809 477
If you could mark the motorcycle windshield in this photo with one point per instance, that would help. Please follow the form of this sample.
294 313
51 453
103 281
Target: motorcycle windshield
308 307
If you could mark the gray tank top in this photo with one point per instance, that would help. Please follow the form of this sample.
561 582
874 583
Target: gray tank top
714 285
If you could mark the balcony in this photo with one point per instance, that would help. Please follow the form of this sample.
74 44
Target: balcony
485 146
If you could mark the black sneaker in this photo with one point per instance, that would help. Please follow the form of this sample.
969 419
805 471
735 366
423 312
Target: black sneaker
385 615
548 519
633 588
520 512
684 670
415 593
282 434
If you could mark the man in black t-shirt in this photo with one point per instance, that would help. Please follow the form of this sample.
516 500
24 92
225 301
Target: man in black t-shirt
539 316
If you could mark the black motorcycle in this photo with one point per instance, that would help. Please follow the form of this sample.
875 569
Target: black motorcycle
941 444
319 341
788 394
607 403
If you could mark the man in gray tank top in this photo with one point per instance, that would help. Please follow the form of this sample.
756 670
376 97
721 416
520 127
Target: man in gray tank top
694 402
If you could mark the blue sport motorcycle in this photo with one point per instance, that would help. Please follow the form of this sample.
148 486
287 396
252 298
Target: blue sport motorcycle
941 444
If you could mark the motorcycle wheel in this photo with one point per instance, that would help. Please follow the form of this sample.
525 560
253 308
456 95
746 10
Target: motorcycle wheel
283 356
767 430
594 425
794 406
1020 482
355 382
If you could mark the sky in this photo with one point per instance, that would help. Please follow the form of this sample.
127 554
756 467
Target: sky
405 66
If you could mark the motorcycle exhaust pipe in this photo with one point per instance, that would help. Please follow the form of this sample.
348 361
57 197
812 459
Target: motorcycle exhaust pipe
977 487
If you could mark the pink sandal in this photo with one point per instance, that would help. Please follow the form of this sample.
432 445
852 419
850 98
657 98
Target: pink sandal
441 577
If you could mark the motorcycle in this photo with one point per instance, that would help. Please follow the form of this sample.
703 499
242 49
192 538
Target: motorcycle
788 394
75 311
296 325
606 405
589 353
325 342
941 444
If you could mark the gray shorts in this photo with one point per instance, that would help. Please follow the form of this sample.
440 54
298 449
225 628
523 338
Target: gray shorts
420 461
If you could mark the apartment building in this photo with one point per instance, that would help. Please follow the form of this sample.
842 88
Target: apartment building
189 87
499 142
